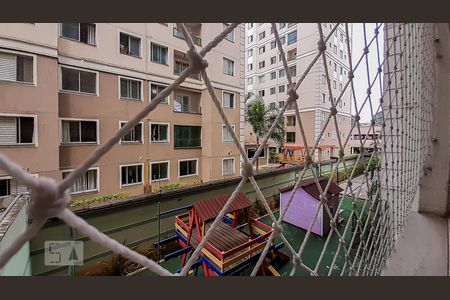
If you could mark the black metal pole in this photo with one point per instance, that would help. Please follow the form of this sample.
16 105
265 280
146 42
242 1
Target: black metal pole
159 229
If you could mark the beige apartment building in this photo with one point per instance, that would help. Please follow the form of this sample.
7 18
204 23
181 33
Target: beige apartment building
65 89
266 76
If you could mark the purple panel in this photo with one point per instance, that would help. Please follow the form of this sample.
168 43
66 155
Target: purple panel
302 210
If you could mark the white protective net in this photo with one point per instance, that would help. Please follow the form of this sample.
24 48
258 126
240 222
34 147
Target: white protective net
403 78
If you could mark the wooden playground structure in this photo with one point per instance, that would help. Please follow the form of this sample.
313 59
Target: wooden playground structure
295 154
231 248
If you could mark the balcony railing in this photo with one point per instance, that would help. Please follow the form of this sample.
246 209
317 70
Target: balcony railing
188 109
177 33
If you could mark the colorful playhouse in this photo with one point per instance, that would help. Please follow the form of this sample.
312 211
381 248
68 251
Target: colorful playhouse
231 247
306 201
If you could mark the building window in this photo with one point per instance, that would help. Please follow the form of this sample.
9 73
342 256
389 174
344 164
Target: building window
159 171
262 49
130 175
130 89
282 25
250 38
290 137
78 81
229 36
273 75
228 66
16 67
187 136
81 32
17 130
262 35
250 67
272 105
292 37
88 182
187 167
250 80
250 25
281 88
273 90
323 78
159 133
226 134
262 93
323 98
155 89
261 78
159 53
340 86
130 45
282 39
74 131
290 121
228 100
334 84
261 64
341 70
341 54
280 104
251 153
335 49
228 166
293 71
273 44
5 187
183 104
134 135
335 67
250 53
179 67
281 73
273 60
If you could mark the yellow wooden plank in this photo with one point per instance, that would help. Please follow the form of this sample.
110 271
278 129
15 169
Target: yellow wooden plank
243 255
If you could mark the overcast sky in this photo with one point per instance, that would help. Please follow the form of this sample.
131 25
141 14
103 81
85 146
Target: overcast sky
360 80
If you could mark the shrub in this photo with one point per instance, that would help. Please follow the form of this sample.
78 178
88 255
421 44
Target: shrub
98 199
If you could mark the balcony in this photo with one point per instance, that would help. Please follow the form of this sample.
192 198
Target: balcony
292 54
181 64
187 102
195 31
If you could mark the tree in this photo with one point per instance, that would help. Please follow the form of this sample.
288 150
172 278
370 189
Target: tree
261 118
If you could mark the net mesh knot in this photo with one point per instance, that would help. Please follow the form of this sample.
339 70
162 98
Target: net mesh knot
46 200
197 62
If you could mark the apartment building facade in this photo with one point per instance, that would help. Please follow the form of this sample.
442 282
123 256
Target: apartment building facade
366 134
266 77
65 89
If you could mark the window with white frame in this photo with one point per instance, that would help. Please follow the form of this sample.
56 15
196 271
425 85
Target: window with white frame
261 64
282 39
229 36
134 135
155 89
281 88
250 53
250 67
261 78
280 104
273 44
10 187
228 166
273 91
281 73
129 44
81 32
273 75
250 25
87 182
262 93
292 37
18 130
228 100
159 54
16 67
130 174
187 167
282 25
226 134
262 49
293 70
250 38
251 152
228 66
78 81
159 133
323 98
250 80
5 187
273 60
262 35
76 131
130 89
159 171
